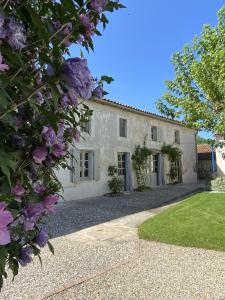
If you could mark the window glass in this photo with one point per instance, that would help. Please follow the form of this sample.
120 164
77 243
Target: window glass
123 127
154 133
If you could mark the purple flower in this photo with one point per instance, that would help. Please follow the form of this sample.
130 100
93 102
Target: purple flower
2 27
49 201
3 67
31 214
39 98
16 34
73 98
18 191
59 150
98 92
5 219
98 5
62 34
87 24
64 101
39 154
49 135
69 99
75 73
25 256
39 188
42 238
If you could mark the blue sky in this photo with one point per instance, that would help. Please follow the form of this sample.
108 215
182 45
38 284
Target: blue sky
136 47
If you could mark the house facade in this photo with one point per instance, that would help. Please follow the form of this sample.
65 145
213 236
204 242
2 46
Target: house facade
109 139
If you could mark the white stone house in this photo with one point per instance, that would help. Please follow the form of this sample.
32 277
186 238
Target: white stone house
110 138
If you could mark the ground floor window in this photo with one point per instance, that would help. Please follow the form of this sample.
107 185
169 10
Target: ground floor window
82 165
121 163
154 163
85 164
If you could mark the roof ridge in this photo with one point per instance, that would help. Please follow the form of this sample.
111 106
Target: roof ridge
139 110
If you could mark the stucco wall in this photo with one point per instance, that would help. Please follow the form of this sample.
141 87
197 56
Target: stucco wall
105 141
220 160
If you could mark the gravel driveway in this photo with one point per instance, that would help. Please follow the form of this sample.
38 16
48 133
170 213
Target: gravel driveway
99 256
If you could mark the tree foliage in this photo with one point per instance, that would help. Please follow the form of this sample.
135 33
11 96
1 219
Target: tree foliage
197 94
42 93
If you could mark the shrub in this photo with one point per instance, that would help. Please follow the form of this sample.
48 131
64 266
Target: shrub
115 183
217 184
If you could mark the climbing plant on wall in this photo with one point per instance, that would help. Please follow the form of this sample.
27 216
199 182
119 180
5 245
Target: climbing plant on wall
139 161
174 155
40 111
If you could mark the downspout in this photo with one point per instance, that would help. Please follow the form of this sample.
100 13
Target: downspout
196 151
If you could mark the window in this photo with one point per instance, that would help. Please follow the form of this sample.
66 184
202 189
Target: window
86 126
154 133
123 128
177 136
154 163
121 163
85 164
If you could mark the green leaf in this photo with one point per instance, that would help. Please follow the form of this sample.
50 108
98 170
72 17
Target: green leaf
107 79
51 249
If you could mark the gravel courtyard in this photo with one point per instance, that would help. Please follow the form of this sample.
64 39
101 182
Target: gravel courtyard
99 256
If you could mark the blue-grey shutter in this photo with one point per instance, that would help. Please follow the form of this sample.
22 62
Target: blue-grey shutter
75 165
96 164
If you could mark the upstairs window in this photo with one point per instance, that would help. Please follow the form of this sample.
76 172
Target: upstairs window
154 133
86 126
177 136
123 127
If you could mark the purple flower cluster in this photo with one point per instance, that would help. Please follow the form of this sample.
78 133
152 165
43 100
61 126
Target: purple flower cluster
87 25
42 238
69 99
39 154
76 74
25 256
18 192
32 212
13 32
62 34
98 5
5 219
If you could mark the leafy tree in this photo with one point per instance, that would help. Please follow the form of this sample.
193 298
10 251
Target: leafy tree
197 94
202 140
42 94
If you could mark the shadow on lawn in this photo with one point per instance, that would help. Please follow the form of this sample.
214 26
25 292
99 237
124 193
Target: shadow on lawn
73 216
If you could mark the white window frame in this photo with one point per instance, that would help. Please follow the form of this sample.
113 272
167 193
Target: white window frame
154 163
89 162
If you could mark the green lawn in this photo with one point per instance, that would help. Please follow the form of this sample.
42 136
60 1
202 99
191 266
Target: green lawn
198 221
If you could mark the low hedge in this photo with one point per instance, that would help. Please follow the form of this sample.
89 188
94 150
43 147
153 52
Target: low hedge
217 184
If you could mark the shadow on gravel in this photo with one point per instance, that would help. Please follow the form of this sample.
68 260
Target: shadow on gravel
73 216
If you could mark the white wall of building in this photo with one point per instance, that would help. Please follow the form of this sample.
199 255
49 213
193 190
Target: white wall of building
105 142
220 160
